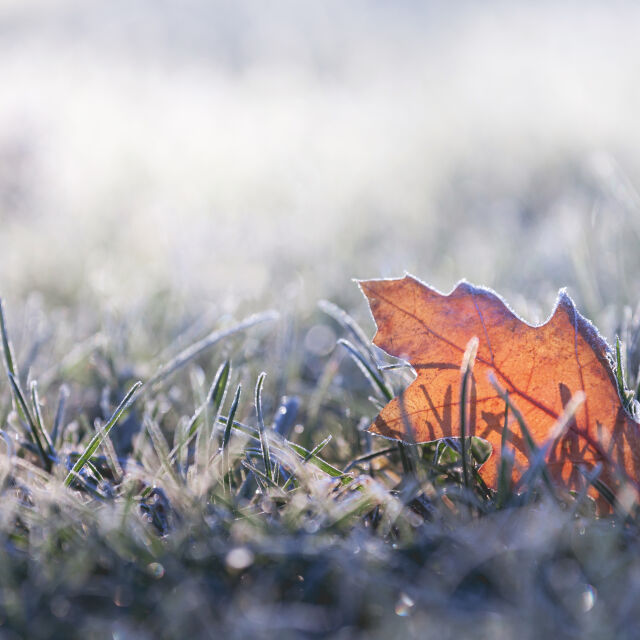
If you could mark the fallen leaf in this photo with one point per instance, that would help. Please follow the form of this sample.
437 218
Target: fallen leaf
541 368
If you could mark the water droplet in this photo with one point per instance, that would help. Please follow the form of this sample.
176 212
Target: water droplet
156 570
404 605
589 596
123 596
239 558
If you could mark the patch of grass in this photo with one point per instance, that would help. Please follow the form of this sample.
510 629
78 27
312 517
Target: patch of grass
221 517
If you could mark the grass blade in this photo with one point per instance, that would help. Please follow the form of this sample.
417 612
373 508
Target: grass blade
218 389
348 323
56 432
466 373
227 433
111 456
264 442
212 405
252 432
39 423
533 447
230 418
267 481
97 439
6 344
507 459
625 395
376 379
199 416
316 450
21 403
160 446
539 457
193 351
314 460
10 363
406 450
373 376
368 457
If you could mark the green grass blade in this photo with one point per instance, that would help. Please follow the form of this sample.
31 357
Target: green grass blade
218 389
110 452
539 458
314 460
406 450
259 474
264 441
507 459
466 371
625 395
533 447
211 412
368 457
371 374
199 416
39 423
24 411
316 450
190 431
605 492
591 476
227 434
160 446
243 428
10 363
193 351
6 344
56 432
97 439
230 418
619 369
348 323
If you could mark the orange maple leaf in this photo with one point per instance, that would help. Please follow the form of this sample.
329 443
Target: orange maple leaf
541 368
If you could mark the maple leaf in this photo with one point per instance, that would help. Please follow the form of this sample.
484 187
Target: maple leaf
541 368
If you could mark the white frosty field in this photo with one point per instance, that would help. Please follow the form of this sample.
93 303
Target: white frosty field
244 151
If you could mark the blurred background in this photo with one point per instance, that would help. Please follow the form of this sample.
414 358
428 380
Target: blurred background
260 154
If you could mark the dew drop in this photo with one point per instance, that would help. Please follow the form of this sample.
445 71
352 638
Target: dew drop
588 598
239 558
404 605
156 570
123 596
